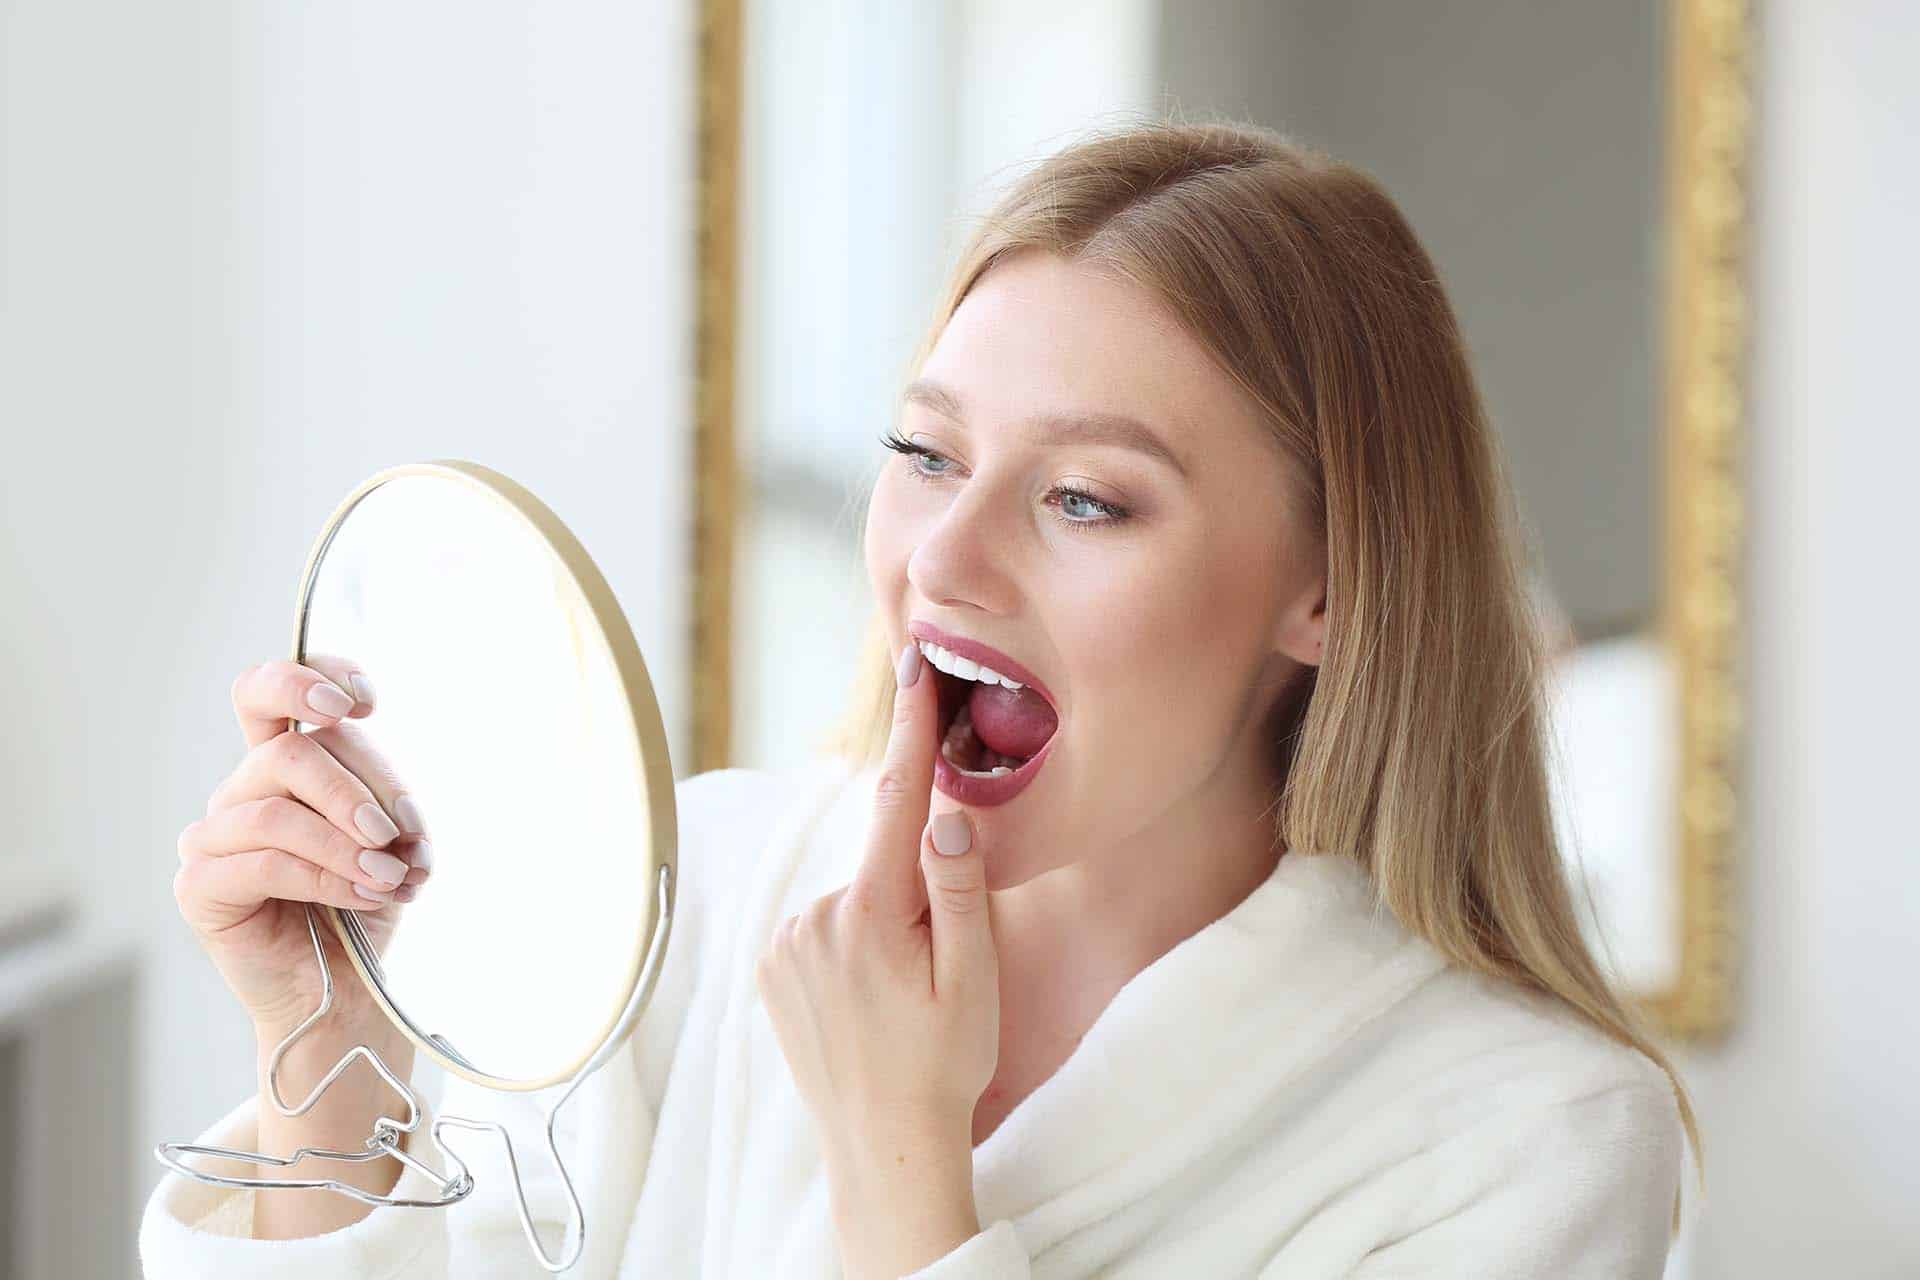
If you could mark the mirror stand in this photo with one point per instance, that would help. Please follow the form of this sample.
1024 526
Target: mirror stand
388 1133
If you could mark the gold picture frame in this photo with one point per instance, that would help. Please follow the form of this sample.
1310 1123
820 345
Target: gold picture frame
1704 333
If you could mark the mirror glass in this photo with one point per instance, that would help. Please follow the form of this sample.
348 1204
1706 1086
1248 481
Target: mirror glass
500 709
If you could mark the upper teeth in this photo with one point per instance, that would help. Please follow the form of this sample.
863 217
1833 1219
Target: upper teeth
966 668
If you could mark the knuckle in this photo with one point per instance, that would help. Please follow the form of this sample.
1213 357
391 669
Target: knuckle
184 880
265 818
340 793
306 880
955 900
287 751
891 789
856 903
958 889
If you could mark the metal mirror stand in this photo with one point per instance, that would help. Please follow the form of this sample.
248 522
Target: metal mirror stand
388 1132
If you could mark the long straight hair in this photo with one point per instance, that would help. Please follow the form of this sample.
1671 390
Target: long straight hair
1420 744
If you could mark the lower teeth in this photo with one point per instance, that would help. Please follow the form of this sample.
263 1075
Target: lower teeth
960 731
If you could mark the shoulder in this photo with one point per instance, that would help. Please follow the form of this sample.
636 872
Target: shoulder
1521 1121
1474 1052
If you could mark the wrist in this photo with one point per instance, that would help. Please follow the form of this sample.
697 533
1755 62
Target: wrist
902 1196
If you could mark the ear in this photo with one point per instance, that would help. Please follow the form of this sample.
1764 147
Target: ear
1300 632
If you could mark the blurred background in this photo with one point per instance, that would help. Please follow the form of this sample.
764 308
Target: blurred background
251 255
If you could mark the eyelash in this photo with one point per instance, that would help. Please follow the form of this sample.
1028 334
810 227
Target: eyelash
1115 514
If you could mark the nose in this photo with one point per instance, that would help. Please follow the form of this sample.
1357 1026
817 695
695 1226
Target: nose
964 557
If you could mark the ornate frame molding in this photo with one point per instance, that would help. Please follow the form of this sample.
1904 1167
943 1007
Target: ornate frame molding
716 490
1709 123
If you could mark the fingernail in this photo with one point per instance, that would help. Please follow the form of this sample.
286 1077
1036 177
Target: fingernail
371 895
404 893
907 670
362 688
376 826
407 813
421 856
329 700
952 833
383 867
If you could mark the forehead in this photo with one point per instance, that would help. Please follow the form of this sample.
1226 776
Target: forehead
1040 334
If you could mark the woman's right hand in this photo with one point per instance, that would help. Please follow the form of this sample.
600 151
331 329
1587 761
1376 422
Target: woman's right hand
305 817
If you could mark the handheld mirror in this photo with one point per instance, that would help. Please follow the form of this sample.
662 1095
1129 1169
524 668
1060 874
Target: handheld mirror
512 706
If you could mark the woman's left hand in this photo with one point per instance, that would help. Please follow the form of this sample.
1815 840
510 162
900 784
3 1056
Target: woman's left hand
885 997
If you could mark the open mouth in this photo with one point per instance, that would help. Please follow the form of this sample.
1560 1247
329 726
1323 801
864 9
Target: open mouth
988 730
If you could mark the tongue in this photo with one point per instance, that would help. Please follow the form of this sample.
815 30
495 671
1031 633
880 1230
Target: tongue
1014 722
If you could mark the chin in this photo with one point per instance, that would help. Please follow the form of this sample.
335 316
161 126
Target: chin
1008 859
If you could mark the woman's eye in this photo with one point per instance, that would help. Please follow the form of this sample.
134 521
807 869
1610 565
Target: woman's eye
1092 507
1078 509
925 460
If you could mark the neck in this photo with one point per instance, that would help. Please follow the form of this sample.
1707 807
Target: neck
1101 920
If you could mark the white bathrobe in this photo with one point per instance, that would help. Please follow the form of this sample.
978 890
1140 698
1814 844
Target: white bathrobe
1300 1089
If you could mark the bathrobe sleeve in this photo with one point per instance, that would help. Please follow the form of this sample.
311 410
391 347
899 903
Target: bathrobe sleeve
994 1254
1578 1188
193 1229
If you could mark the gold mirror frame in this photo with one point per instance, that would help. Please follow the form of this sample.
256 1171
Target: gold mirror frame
1704 315
652 765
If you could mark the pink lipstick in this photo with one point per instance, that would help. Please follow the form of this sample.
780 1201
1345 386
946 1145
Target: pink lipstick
954 782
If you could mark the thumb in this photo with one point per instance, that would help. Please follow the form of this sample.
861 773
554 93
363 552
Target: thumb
956 901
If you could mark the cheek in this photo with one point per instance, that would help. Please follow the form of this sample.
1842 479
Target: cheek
1163 647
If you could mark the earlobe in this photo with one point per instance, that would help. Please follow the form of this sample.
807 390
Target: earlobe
1302 633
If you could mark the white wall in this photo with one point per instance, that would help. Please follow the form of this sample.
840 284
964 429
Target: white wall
1810 1110
248 256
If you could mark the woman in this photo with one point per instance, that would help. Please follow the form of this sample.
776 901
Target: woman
1216 928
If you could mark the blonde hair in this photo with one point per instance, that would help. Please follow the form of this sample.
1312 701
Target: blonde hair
1419 745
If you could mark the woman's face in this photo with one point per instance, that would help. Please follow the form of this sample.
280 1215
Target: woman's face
1164 611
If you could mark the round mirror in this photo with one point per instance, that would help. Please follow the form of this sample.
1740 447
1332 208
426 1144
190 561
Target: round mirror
513 708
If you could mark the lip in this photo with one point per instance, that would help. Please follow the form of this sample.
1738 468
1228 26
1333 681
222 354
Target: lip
984 792
984 654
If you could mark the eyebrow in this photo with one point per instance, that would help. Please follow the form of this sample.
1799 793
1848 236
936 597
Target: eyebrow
1088 428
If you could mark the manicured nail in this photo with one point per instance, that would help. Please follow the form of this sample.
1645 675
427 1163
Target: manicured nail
329 700
362 688
376 826
384 867
407 813
371 895
404 893
907 670
952 833
420 856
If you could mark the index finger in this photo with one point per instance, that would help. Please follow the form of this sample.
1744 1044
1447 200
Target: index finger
267 696
890 873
